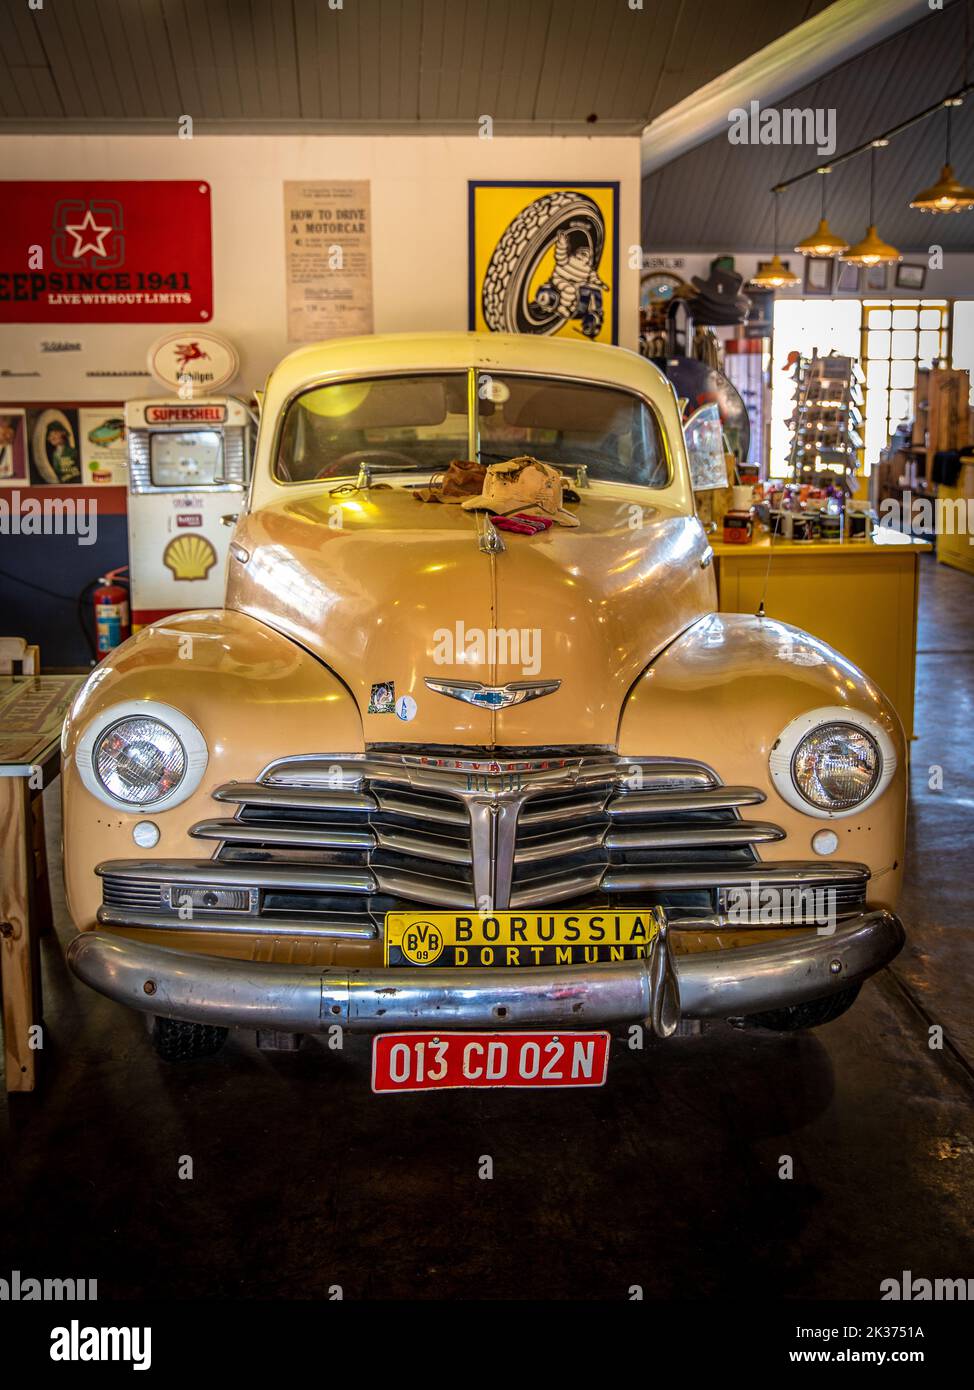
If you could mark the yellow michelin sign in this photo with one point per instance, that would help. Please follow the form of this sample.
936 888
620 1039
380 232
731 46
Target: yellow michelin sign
544 259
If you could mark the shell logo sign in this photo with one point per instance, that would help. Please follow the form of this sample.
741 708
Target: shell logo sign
189 557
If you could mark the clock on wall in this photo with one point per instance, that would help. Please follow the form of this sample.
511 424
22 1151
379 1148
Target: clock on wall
657 288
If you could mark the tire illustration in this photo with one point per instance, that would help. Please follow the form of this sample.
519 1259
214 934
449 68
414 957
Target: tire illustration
505 297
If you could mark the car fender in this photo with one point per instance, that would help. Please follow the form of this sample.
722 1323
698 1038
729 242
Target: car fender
253 694
723 692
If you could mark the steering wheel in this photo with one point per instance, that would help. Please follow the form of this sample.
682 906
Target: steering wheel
390 457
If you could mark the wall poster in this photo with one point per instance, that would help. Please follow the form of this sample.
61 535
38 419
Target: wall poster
328 255
544 258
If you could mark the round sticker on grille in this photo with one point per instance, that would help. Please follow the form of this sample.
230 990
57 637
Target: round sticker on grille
406 707
422 943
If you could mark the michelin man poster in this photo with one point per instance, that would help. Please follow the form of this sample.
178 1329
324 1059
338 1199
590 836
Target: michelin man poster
544 258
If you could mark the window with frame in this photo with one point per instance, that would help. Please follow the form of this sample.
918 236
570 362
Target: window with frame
962 338
804 325
898 336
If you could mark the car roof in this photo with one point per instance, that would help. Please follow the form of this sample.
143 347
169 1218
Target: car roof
395 352
371 355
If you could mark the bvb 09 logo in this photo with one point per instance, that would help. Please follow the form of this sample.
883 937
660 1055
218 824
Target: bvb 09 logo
422 943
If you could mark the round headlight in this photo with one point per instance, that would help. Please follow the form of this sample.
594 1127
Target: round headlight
141 755
833 761
836 766
139 761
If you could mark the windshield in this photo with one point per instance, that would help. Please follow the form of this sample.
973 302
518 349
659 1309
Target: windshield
418 424
399 423
705 448
612 433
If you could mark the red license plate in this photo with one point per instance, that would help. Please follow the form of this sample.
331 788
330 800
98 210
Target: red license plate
445 1061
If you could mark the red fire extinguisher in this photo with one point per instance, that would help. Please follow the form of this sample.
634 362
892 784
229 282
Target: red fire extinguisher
111 611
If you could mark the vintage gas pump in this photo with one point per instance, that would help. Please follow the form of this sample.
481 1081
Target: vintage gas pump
189 463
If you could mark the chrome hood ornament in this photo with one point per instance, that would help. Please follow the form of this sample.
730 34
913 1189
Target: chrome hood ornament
493 696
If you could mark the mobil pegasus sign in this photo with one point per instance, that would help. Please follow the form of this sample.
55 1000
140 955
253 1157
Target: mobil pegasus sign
129 252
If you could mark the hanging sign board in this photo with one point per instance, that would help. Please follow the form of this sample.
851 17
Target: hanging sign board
97 252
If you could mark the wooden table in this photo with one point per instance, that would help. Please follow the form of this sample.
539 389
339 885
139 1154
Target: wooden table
32 711
859 596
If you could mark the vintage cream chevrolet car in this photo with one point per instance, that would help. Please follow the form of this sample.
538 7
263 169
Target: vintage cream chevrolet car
429 777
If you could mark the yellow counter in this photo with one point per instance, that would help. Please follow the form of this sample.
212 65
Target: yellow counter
954 546
859 596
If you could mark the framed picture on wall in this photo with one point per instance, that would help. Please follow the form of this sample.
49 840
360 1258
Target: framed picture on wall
54 455
544 258
104 449
848 281
818 275
13 446
877 277
911 277
761 313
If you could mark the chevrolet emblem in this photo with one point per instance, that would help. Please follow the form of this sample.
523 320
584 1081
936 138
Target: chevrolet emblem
493 696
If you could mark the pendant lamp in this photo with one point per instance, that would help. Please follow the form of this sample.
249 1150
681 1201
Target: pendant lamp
775 275
872 250
948 194
823 242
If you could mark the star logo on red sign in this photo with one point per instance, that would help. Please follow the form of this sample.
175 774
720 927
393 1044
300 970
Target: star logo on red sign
88 236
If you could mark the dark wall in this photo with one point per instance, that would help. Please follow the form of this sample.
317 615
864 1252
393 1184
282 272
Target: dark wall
41 576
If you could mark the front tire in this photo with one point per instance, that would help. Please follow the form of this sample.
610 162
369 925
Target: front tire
176 1041
809 1015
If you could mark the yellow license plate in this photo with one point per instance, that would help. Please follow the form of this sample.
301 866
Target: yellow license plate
479 939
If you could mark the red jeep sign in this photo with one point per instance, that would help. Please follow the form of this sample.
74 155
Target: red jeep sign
134 252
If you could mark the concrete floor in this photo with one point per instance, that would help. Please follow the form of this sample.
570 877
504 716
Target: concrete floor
666 1178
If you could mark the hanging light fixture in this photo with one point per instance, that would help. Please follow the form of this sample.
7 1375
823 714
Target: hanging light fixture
774 275
872 250
947 194
823 241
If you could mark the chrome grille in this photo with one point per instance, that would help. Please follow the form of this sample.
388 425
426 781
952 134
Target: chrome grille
341 841
122 892
140 478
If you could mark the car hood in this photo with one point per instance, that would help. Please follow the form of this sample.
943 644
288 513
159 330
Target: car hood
389 591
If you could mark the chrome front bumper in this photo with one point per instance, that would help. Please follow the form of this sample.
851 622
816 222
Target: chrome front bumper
659 989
